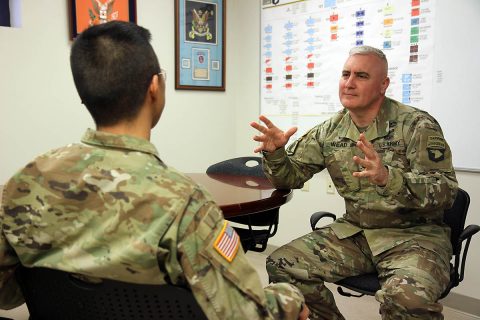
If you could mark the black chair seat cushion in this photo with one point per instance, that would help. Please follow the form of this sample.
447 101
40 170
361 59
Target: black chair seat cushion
53 294
365 283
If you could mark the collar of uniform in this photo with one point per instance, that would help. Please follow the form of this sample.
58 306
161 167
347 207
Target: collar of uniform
385 115
379 127
118 141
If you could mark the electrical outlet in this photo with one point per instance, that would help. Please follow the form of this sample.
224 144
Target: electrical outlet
330 186
306 186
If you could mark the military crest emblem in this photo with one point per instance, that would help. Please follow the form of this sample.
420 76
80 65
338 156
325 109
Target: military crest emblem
200 21
101 12
200 26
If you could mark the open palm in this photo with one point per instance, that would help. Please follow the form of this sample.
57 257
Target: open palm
272 137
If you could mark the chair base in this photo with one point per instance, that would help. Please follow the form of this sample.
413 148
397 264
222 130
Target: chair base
253 240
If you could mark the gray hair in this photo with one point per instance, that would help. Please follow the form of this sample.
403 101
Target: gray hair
365 50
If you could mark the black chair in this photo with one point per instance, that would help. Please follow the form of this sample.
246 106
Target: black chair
368 284
253 229
53 294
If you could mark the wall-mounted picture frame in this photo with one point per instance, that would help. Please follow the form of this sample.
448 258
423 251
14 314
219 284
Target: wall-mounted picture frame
86 13
200 45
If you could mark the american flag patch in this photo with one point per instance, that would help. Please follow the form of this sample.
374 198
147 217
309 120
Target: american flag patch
227 242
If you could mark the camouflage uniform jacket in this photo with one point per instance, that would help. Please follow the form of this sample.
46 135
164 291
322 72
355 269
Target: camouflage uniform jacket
421 182
110 208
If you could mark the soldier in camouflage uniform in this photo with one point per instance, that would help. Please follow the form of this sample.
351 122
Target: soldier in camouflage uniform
110 208
392 165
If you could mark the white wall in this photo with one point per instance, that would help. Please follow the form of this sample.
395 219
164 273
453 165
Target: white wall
40 109
294 216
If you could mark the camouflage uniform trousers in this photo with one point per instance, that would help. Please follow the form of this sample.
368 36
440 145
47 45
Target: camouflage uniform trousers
412 278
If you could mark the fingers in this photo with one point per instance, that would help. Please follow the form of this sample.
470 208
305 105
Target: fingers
258 126
366 164
304 313
261 138
271 137
366 147
364 173
359 174
364 167
290 132
371 160
267 122
361 162
258 149
371 165
378 176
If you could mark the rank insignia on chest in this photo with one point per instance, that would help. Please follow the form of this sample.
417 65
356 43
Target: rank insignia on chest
227 242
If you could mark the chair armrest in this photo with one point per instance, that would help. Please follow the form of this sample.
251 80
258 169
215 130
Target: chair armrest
468 232
315 217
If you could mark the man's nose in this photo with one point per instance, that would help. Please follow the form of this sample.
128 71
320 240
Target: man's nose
350 82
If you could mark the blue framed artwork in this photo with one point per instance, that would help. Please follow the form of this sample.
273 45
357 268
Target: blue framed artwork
200 45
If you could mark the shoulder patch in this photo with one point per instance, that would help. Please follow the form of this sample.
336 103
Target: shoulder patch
227 242
436 148
435 142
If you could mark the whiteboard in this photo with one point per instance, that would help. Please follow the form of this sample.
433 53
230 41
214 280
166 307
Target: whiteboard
456 92
446 60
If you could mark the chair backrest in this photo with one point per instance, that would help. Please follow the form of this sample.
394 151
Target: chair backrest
244 166
53 294
455 218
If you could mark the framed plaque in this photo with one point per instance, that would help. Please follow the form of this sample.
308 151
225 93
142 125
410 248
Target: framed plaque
200 45
86 13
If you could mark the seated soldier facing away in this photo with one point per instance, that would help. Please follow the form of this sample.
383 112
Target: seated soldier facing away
109 207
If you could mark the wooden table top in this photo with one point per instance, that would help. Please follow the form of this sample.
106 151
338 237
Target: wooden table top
241 195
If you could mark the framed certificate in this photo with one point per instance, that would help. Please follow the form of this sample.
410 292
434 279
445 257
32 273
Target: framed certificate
200 45
86 13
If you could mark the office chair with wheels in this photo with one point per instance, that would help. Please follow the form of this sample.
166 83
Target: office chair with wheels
53 294
368 284
254 229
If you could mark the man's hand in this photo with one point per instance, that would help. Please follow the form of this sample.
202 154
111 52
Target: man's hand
373 168
304 313
272 137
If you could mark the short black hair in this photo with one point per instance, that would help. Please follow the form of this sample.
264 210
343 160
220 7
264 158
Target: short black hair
112 66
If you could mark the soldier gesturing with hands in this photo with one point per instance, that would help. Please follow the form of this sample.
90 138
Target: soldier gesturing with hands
274 138
392 166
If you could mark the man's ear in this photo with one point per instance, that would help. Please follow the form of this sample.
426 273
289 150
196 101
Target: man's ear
385 85
154 86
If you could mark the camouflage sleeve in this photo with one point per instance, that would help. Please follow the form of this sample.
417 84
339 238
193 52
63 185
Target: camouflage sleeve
292 167
221 278
10 295
430 181
282 300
